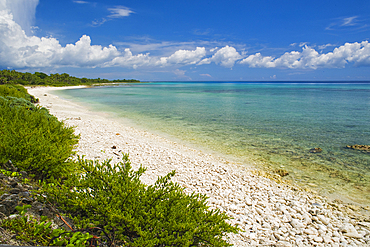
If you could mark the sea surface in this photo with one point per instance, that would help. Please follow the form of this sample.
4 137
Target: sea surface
269 125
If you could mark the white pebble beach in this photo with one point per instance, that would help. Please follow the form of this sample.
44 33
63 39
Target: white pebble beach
269 213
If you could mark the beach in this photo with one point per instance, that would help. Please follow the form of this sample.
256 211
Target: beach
268 211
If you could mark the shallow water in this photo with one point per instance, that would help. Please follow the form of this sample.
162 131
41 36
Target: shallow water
271 125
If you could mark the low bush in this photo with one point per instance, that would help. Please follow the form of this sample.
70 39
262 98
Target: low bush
112 197
16 91
34 140
40 232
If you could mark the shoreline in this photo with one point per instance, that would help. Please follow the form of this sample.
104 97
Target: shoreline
268 212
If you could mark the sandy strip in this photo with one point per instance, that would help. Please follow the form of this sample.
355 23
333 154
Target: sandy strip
269 213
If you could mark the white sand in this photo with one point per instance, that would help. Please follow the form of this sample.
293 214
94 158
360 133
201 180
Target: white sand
269 213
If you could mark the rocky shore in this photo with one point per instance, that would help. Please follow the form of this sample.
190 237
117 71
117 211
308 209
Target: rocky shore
17 191
269 212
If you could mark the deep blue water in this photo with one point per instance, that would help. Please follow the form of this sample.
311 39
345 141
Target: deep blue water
271 125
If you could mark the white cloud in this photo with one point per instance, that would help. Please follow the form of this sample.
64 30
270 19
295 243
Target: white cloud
303 44
309 58
226 56
352 23
23 12
181 74
97 23
206 75
349 21
83 54
184 57
21 50
130 60
322 47
258 60
80 2
116 12
119 11
357 53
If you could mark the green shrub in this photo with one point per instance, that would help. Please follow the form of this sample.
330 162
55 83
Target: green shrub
112 197
40 232
34 140
16 91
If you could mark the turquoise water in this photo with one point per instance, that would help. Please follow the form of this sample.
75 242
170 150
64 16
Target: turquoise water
271 125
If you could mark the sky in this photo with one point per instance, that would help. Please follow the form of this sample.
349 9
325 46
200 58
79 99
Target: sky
166 40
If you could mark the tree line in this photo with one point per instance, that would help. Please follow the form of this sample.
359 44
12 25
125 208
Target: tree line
40 78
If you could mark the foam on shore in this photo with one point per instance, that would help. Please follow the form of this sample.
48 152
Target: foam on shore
268 212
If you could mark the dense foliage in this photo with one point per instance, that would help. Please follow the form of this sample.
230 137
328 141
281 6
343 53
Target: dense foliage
34 140
40 232
112 197
16 91
39 78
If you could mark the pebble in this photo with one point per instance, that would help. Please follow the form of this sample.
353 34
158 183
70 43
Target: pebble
297 224
350 231
318 239
268 212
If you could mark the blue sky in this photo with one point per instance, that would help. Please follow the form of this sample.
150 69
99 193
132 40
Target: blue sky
188 40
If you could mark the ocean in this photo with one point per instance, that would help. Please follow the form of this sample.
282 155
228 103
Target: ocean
271 126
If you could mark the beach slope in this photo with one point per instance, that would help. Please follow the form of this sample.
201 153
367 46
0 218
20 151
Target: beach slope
268 212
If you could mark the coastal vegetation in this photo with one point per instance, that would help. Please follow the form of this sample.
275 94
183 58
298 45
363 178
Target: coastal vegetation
34 140
16 91
112 197
39 78
107 203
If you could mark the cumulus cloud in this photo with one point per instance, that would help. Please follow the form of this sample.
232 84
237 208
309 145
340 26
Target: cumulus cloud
130 60
82 53
19 49
119 11
23 12
184 57
258 60
309 58
226 56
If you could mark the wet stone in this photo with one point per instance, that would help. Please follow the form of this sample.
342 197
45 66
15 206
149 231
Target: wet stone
13 184
10 205
23 173
315 150
25 194
3 196
3 209
14 191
